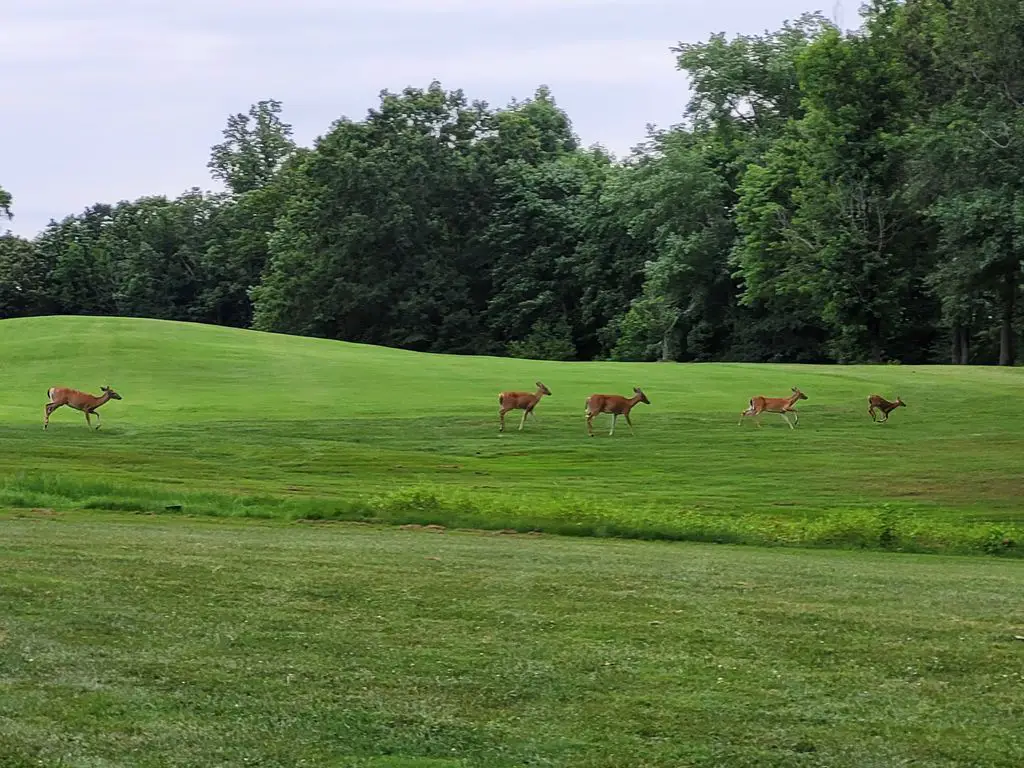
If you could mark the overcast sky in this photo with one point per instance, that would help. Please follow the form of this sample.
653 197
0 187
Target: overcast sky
105 100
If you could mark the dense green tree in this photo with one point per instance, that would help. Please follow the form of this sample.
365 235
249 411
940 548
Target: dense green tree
746 90
677 203
369 248
254 148
826 216
83 274
535 229
970 164
24 279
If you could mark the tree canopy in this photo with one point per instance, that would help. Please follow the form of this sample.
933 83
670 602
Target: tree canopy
828 196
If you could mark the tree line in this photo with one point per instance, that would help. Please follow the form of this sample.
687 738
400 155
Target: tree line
828 196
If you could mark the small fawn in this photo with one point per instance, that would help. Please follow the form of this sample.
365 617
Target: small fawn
883 405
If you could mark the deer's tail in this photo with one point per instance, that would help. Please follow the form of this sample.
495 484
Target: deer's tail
49 393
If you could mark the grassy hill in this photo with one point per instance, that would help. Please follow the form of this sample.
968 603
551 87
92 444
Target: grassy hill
160 640
226 421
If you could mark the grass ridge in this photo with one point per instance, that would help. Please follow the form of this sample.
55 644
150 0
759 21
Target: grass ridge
886 527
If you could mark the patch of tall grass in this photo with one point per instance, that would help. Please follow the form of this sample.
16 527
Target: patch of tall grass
892 527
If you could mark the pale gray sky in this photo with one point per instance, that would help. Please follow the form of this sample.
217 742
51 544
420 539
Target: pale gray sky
105 100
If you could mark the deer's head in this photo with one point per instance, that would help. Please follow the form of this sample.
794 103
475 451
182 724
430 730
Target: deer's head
643 397
543 389
110 393
900 403
799 395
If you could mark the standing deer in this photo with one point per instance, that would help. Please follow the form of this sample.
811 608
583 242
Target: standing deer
80 401
779 405
524 401
616 405
879 402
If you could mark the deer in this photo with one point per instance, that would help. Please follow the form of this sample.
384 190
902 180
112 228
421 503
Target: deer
616 405
524 401
885 406
80 401
779 405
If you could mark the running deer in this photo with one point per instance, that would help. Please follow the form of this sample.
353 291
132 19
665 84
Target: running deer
886 407
524 401
616 405
80 401
779 405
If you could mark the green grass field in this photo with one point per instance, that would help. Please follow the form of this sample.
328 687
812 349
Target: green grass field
234 422
199 636
161 641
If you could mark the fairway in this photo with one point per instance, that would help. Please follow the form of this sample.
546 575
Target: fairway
169 642
225 421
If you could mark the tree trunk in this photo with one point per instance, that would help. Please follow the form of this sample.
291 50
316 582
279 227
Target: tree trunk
667 346
1007 351
960 345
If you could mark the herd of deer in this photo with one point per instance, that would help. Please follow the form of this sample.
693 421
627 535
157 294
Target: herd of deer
616 405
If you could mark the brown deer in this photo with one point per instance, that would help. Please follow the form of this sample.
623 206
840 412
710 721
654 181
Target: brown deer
616 405
885 406
779 405
524 401
80 401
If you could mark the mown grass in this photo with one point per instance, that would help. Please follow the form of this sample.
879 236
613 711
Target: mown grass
226 422
152 641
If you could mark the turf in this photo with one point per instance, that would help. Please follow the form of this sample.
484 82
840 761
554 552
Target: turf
236 422
160 641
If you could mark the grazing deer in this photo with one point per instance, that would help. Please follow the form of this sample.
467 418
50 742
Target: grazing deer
80 401
524 401
779 405
616 405
879 402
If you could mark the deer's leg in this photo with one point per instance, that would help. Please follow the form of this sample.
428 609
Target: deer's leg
501 417
871 412
796 416
97 415
615 416
630 423
50 408
87 419
522 421
785 418
590 425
